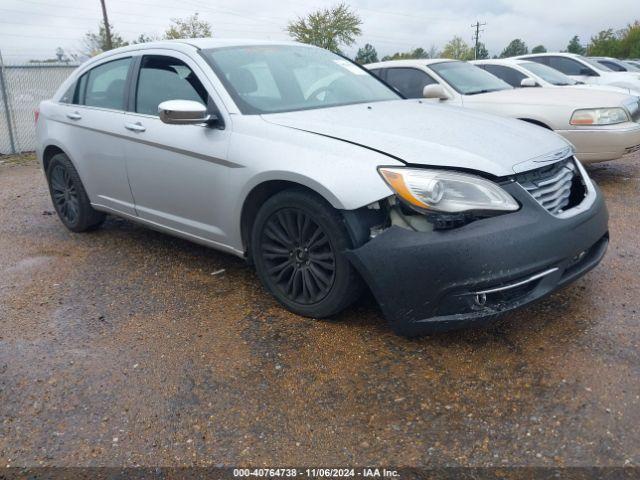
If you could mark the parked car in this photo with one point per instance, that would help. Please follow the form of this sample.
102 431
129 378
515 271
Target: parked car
586 70
525 74
323 178
633 63
602 125
615 65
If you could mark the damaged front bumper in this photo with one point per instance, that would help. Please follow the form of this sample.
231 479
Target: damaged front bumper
442 280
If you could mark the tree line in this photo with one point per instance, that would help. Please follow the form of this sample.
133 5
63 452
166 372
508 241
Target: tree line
337 27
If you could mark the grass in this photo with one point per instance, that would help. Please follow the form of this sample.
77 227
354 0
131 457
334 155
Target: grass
19 159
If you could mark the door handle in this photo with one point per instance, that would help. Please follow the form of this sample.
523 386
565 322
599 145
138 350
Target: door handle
134 127
74 116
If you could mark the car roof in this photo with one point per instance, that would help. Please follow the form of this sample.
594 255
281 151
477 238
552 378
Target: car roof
413 62
547 54
185 44
501 61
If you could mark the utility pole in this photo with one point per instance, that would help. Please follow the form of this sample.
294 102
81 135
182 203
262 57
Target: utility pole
476 36
107 29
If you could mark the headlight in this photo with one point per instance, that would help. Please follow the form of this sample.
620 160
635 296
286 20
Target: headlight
599 116
444 191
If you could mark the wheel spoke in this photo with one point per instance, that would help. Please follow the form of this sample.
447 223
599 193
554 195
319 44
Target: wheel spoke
288 226
300 274
274 233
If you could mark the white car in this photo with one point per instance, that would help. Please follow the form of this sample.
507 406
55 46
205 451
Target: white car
602 125
586 70
324 178
525 73
616 65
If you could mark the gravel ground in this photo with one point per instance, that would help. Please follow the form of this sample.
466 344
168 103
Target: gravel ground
127 347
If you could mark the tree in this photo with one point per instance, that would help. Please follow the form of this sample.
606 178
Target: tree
367 54
327 28
457 49
482 51
539 49
190 27
411 54
516 47
433 52
606 44
575 46
630 41
95 43
144 38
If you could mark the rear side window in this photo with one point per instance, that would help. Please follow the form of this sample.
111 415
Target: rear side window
409 81
163 78
104 85
511 76
68 96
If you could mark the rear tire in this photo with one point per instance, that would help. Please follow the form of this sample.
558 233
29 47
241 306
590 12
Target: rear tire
297 244
69 197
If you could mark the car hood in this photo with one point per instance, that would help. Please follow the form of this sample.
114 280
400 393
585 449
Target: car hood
606 88
572 98
420 133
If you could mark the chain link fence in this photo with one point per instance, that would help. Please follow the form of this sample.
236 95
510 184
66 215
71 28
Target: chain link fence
22 88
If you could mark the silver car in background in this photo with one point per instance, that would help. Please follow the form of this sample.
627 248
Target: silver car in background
324 178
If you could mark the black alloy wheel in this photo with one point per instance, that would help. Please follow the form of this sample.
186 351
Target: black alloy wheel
298 245
64 194
299 256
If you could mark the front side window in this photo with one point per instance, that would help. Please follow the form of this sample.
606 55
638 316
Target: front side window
468 79
104 85
409 81
281 78
510 75
548 74
163 78
569 66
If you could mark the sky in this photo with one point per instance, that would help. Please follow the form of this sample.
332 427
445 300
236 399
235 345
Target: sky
33 29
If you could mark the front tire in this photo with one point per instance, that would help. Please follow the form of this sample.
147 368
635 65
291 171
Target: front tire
297 244
69 196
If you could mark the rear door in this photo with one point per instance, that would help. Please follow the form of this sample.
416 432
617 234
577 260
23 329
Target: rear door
94 115
177 172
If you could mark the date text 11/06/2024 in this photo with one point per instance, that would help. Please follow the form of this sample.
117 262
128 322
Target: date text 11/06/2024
315 472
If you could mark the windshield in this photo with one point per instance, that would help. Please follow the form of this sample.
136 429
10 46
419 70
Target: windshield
548 74
284 78
596 65
468 79
634 66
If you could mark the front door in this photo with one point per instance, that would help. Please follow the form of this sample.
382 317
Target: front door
177 172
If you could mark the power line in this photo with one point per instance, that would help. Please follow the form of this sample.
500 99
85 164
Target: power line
476 36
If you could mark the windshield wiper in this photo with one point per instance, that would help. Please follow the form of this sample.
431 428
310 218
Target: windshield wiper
486 90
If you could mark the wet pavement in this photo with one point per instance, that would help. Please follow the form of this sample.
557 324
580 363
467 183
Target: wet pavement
126 347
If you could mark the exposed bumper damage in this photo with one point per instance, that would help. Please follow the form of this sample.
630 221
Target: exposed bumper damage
447 279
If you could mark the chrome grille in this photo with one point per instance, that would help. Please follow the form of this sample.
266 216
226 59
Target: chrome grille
551 186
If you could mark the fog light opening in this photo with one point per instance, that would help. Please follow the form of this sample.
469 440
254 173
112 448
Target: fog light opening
480 299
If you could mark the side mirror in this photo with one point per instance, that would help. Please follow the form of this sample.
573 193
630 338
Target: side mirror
528 82
184 112
435 90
